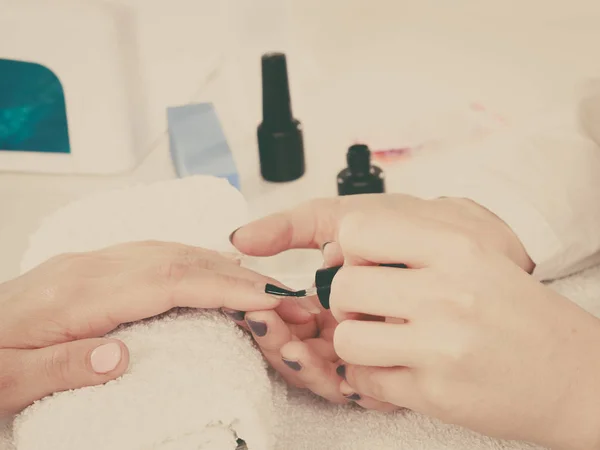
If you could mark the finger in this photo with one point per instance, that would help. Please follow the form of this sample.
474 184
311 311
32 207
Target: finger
365 401
332 255
292 313
301 331
384 291
323 348
62 367
379 344
289 313
392 236
271 334
389 385
193 287
306 226
316 373
239 317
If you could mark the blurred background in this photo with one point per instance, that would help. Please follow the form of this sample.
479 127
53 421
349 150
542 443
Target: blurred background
390 73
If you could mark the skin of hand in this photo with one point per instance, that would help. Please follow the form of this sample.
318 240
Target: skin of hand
311 225
463 334
303 354
54 317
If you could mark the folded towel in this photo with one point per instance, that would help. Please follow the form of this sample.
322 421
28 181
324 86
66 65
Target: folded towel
195 380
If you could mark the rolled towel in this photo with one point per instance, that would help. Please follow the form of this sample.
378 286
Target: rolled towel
195 380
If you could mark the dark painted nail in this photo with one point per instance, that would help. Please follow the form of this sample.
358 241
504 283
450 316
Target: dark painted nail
258 328
235 315
232 233
341 371
294 365
353 397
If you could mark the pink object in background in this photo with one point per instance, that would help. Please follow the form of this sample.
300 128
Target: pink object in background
482 123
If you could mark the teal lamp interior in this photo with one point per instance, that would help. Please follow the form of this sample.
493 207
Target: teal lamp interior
33 115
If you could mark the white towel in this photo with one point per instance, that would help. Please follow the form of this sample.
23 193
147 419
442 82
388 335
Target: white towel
195 380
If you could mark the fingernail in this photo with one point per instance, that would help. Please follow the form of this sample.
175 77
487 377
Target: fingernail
353 397
341 371
235 315
232 233
258 328
294 365
106 357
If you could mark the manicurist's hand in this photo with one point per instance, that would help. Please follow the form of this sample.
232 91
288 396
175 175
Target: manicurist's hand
304 354
317 222
52 318
464 334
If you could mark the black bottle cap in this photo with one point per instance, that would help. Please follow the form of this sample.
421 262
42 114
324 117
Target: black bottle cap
323 280
359 159
360 176
280 140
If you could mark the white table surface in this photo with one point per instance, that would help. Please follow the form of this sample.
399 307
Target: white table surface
390 74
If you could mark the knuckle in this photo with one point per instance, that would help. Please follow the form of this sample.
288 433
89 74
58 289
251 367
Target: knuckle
462 304
173 270
465 246
352 225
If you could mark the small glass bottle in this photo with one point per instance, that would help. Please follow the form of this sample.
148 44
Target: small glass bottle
360 177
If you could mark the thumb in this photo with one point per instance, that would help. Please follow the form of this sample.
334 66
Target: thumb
71 365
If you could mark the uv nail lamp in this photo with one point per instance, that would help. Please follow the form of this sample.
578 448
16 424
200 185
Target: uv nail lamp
70 94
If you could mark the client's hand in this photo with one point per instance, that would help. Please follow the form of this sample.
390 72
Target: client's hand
53 317
303 354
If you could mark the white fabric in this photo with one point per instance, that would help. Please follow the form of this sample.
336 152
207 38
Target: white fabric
542 178
195 380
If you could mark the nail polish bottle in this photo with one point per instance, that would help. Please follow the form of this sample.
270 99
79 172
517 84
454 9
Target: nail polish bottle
360 177
280 141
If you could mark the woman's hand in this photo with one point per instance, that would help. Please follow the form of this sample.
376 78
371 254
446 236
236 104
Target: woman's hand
303 354
463 335
316 223
52 318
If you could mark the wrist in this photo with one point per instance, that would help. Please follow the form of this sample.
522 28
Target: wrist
576 423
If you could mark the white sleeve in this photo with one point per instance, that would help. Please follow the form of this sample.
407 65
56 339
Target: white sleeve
543 180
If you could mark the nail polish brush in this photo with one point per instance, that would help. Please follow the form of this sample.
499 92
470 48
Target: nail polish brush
321 289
